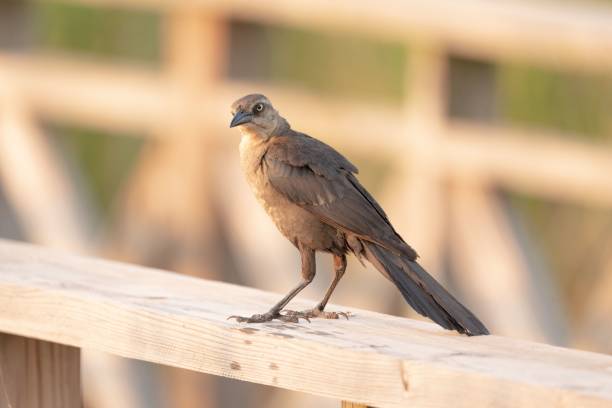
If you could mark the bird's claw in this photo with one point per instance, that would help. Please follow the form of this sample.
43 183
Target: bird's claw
346 315
316 312
268 317
291 316
256 318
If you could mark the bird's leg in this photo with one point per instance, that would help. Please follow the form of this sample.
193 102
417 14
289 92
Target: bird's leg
317 311
308 273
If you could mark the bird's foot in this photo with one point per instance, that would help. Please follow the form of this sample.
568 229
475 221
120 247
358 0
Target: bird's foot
267 317
316 312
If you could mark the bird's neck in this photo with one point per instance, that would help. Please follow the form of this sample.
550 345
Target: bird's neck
281 127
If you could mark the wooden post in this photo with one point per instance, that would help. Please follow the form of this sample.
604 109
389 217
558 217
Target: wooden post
35 373
179 165
419 205
422 197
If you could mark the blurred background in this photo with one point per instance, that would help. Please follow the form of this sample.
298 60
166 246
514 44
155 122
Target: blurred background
483 128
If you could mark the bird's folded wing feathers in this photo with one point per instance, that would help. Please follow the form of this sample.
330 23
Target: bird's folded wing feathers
314 176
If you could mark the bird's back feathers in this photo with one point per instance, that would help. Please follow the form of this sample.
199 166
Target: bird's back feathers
314 176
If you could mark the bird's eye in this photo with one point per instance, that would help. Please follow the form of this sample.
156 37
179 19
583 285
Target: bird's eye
259 107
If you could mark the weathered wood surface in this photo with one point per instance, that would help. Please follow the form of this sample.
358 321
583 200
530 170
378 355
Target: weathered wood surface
376 359
38 374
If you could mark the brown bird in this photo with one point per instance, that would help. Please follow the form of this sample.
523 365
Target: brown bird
313 196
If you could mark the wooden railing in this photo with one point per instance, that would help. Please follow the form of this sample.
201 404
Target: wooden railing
53 304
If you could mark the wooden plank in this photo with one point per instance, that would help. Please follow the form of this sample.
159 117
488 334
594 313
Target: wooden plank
561 34
418 199
181 321
139 99
538 163
38 374
118 97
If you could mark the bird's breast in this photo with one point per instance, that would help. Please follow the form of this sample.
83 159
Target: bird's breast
293 222
252 149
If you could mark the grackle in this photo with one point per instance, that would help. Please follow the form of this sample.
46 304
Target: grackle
312 194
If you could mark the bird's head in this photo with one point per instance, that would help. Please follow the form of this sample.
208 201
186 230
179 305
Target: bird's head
254 114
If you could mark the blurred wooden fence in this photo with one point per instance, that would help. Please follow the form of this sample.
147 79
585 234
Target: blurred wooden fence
53 304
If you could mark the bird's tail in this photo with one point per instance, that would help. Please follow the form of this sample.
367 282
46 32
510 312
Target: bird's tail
423 292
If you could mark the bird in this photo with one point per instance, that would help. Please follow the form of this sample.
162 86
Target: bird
312 194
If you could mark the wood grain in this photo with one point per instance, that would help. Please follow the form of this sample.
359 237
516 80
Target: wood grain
38 374
375 359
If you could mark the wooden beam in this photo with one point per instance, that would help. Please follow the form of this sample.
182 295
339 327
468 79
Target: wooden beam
541 163
115 97
181 321
561 34
417 204
38 374
139 99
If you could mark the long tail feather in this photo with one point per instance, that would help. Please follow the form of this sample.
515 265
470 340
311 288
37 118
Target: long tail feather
423 292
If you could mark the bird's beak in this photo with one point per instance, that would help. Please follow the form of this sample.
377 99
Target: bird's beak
240 118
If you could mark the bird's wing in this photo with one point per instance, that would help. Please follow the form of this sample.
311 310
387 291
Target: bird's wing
314 176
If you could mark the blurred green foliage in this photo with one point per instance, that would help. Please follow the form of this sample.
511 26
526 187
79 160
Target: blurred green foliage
576 104
349 66
97 32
